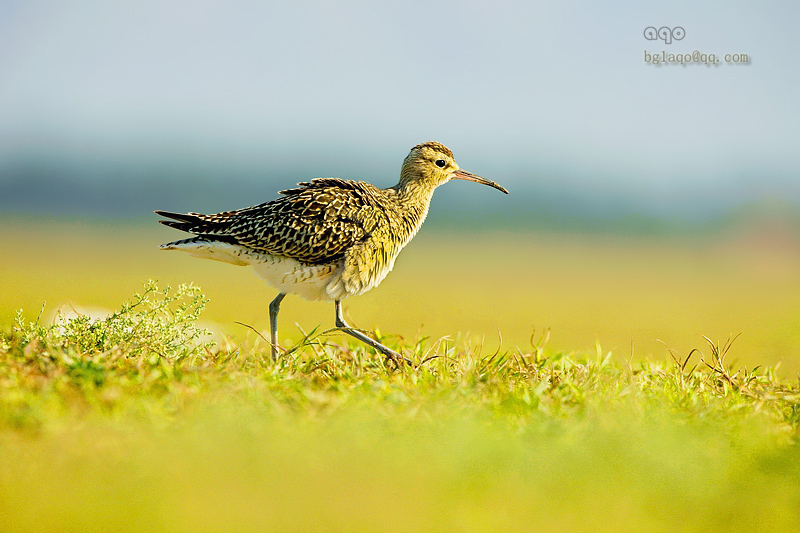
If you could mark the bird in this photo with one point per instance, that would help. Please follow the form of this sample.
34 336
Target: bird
327 238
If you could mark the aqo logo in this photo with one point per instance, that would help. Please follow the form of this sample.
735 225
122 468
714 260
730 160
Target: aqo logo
666 34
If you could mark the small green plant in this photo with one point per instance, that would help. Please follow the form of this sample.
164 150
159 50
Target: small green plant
143 345
156 322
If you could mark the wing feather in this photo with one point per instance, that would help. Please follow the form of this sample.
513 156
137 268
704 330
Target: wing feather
315 223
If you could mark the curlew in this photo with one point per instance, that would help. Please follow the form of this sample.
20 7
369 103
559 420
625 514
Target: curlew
328 238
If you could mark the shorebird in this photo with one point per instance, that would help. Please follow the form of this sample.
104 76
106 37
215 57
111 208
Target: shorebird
328 238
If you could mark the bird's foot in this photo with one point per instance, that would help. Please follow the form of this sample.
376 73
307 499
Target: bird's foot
396 359
390 355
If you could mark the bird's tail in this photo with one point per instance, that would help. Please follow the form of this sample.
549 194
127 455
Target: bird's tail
207 243
189 222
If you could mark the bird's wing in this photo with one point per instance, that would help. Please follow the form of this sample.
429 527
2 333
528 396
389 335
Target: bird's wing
315 223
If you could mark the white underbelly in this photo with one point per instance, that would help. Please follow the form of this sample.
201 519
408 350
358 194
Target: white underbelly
313 282
290 276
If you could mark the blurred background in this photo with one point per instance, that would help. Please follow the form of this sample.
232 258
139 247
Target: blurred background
649 203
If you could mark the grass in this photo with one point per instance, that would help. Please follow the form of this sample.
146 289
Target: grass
494 289
134 422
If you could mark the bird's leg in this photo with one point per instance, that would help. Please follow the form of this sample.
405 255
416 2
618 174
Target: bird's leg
395 357
274 307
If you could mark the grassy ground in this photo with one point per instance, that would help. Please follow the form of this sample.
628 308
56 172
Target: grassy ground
133 424
474 287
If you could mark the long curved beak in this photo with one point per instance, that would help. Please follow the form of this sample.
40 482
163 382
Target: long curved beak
469 176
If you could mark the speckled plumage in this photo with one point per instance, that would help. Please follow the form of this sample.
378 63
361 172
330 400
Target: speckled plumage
328 238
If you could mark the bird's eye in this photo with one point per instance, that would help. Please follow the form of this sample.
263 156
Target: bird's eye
440 163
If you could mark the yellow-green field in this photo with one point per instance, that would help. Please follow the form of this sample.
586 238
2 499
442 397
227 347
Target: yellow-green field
123 425
129 423
624 293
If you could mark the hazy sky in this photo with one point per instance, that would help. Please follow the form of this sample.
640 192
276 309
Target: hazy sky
522 91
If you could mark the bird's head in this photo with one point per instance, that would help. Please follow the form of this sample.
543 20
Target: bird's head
432 164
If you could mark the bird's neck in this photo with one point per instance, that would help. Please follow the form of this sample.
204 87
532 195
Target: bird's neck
413 199
414 192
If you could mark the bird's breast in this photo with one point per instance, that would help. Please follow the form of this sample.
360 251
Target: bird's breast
368 263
